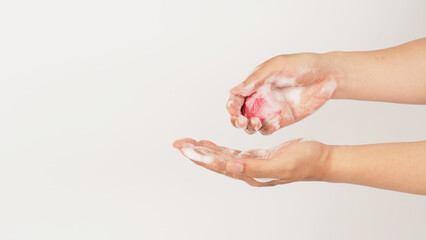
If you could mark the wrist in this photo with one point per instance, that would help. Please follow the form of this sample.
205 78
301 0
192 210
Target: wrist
338 164
339 68
325 163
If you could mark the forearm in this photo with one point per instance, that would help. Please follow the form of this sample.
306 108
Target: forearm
395 74
393 166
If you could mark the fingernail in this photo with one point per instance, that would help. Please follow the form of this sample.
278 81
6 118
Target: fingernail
235 167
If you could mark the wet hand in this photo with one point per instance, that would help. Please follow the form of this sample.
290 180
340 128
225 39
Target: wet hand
296 160
281 91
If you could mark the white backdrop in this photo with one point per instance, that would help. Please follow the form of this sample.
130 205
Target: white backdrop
93 94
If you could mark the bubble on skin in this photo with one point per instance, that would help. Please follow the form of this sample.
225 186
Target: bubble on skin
261 104
230 103
231 151
190 152
274 122
292 94
329 87
248 89
277 79
255 153
193 155
281 81
255 123
265 180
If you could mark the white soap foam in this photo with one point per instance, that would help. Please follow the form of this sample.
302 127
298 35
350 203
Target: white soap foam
254 153
329 87
255 121
230 103
281 81
264 180
276 122
271 105
193 155
303 70
248 90
264 89
293 94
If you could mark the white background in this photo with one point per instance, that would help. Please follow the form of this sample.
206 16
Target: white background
93 94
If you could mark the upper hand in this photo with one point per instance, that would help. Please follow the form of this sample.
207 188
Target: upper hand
281 91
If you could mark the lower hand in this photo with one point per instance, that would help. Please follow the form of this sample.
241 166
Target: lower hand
296 160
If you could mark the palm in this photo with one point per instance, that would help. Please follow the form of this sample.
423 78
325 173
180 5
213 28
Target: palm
291 161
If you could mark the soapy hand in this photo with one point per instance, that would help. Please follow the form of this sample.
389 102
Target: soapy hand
280 92
296 160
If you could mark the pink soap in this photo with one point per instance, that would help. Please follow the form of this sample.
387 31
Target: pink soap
261 104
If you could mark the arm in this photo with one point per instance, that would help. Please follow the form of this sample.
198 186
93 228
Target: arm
396 74
394 166
287 88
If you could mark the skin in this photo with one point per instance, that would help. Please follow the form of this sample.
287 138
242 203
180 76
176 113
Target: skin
392 166
310 72
296 160
399 73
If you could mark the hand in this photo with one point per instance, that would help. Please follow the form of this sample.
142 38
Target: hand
296 160
281 91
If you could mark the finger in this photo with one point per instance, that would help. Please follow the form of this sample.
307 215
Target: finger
233 119
273 183
271 125
195 150
252 182
234 105
241 122
255 79
248 180
221 153
276 72
244 178
265 180
184 142
255 123
209 144
249 129
256 168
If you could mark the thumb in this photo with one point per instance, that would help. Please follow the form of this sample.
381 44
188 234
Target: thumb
252 82
256 168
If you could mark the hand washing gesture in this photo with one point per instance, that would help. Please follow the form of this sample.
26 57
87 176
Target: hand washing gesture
280 92
288 88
